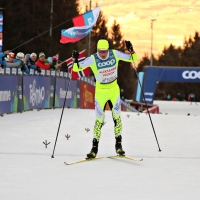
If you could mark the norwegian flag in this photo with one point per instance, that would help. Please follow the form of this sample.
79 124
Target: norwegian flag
76 75
56 57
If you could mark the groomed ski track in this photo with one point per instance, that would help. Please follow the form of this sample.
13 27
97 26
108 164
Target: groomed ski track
27 170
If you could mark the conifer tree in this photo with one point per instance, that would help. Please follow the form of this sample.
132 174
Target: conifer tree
99 31
26 19
126 73
116 40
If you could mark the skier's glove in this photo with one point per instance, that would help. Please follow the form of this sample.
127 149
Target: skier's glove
129 47
75 55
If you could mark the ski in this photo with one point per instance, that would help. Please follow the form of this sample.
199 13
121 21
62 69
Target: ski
126 157
85 160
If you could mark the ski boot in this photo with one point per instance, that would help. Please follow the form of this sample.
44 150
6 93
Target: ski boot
94 149
118 146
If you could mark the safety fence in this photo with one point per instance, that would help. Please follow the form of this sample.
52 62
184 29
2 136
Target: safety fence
21 92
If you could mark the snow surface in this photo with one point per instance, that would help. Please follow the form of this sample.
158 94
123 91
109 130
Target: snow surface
28 172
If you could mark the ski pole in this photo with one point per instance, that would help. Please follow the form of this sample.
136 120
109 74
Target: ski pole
145 103
62 112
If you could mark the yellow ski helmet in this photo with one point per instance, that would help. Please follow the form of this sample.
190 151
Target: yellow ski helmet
102 44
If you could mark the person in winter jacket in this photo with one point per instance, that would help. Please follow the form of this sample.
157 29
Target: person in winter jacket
41 63
31 62
20 58
104 65
5 63
10 57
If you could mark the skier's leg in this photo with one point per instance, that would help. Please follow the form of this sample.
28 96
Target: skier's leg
100 101
100 115
116 112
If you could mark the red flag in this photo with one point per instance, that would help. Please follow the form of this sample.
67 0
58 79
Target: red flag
76 75
56 57
79 21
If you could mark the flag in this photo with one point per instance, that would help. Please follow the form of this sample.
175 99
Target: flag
76 75
56 57
83 24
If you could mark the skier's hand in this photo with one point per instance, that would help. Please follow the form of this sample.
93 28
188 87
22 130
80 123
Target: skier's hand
75 56
129 47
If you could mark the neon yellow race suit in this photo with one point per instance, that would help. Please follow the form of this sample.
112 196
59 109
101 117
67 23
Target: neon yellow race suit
107 89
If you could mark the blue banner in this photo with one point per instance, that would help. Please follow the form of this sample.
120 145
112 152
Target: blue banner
154 75
60 93
139 85
36 92
8 94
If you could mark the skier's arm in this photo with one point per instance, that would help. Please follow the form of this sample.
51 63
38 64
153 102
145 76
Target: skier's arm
126 57
84 64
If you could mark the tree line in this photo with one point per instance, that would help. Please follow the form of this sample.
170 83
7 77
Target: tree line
27 23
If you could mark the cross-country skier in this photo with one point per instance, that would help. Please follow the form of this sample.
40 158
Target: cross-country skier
104 65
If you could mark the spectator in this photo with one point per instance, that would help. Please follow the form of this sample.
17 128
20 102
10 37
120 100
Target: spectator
173 99
50 61
4 63
62 67
191 98
30 62
10 57
169 97
53 63
179 96
41 62
20 58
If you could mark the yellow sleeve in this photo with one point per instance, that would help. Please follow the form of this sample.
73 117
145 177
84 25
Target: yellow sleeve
78 69
135 57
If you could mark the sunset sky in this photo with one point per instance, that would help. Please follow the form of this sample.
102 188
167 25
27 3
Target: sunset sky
175 19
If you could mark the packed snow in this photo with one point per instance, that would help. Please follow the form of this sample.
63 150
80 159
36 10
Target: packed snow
27 170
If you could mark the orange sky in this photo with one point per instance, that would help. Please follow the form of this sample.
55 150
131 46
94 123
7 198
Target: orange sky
175 19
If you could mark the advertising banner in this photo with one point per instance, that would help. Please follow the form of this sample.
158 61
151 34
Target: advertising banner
36 92
87 95
20 93
60 93
71 94
8 94
78 93
154 75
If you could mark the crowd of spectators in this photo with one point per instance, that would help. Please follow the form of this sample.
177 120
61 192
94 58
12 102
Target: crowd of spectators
26 62
182 97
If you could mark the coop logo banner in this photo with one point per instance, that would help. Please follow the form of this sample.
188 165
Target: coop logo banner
36 92
191 74
37 95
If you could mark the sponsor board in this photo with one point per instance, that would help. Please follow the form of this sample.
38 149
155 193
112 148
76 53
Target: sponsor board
8 94
36 92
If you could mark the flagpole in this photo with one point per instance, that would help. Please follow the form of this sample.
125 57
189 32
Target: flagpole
50 32
89 33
